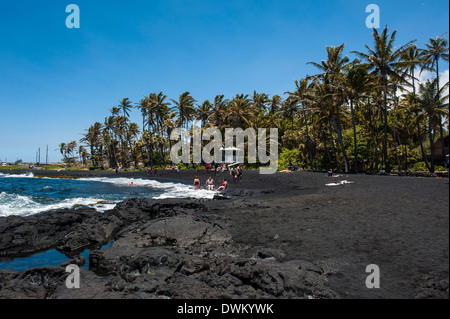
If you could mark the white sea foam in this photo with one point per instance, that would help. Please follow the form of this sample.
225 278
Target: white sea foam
171 189
27 175
13 204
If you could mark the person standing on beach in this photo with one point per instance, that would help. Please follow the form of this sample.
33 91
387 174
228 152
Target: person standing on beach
239 173
196 183
155 171
233 173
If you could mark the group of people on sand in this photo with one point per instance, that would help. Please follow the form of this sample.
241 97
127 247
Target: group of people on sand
210 184
216 168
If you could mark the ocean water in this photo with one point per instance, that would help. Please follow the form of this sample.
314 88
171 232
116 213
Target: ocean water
25 195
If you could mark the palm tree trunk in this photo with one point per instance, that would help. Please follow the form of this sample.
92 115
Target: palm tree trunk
337 126
334 145
406 152
430 134
395 135
324 141
308 143
354 136
419 137
440 117
385 150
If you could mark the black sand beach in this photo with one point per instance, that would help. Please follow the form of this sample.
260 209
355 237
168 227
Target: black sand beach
286 235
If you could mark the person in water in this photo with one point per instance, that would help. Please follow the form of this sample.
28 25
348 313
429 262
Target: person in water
224 185
196 183
210 184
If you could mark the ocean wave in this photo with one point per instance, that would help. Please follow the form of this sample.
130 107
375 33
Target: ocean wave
170 189
19 205
27 175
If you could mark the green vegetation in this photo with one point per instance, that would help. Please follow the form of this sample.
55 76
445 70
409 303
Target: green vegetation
12 167
361 114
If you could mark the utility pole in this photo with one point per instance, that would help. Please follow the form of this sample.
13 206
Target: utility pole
46 159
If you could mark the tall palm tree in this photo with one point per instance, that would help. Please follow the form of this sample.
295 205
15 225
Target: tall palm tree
63 150
410 99
260 100
204 111
355 83
274 104
238 113
125 105
301 97
218 111
185 108
385 61
414 57
333 68
83 153
437 49
93 138
433 108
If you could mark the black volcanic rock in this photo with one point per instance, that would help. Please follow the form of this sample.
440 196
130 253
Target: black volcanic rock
161 249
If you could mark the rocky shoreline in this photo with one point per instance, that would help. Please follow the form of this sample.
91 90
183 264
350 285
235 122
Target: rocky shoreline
280 236
162 249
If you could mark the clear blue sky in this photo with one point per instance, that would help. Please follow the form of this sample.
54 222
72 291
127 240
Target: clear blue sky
55 81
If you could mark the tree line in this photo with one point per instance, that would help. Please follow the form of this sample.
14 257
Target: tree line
368 113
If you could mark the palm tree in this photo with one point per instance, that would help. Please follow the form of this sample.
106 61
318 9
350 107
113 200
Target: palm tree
63 150
415 108
83 153
385 61
204 111
126 105
218 110
93 138
131 134
110 138
302 97
333 68
414 57
354 84
437 49
238 111
121 131
185 108
260 100
433 109
71 148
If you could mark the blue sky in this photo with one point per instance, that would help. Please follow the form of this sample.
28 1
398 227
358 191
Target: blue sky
55 81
